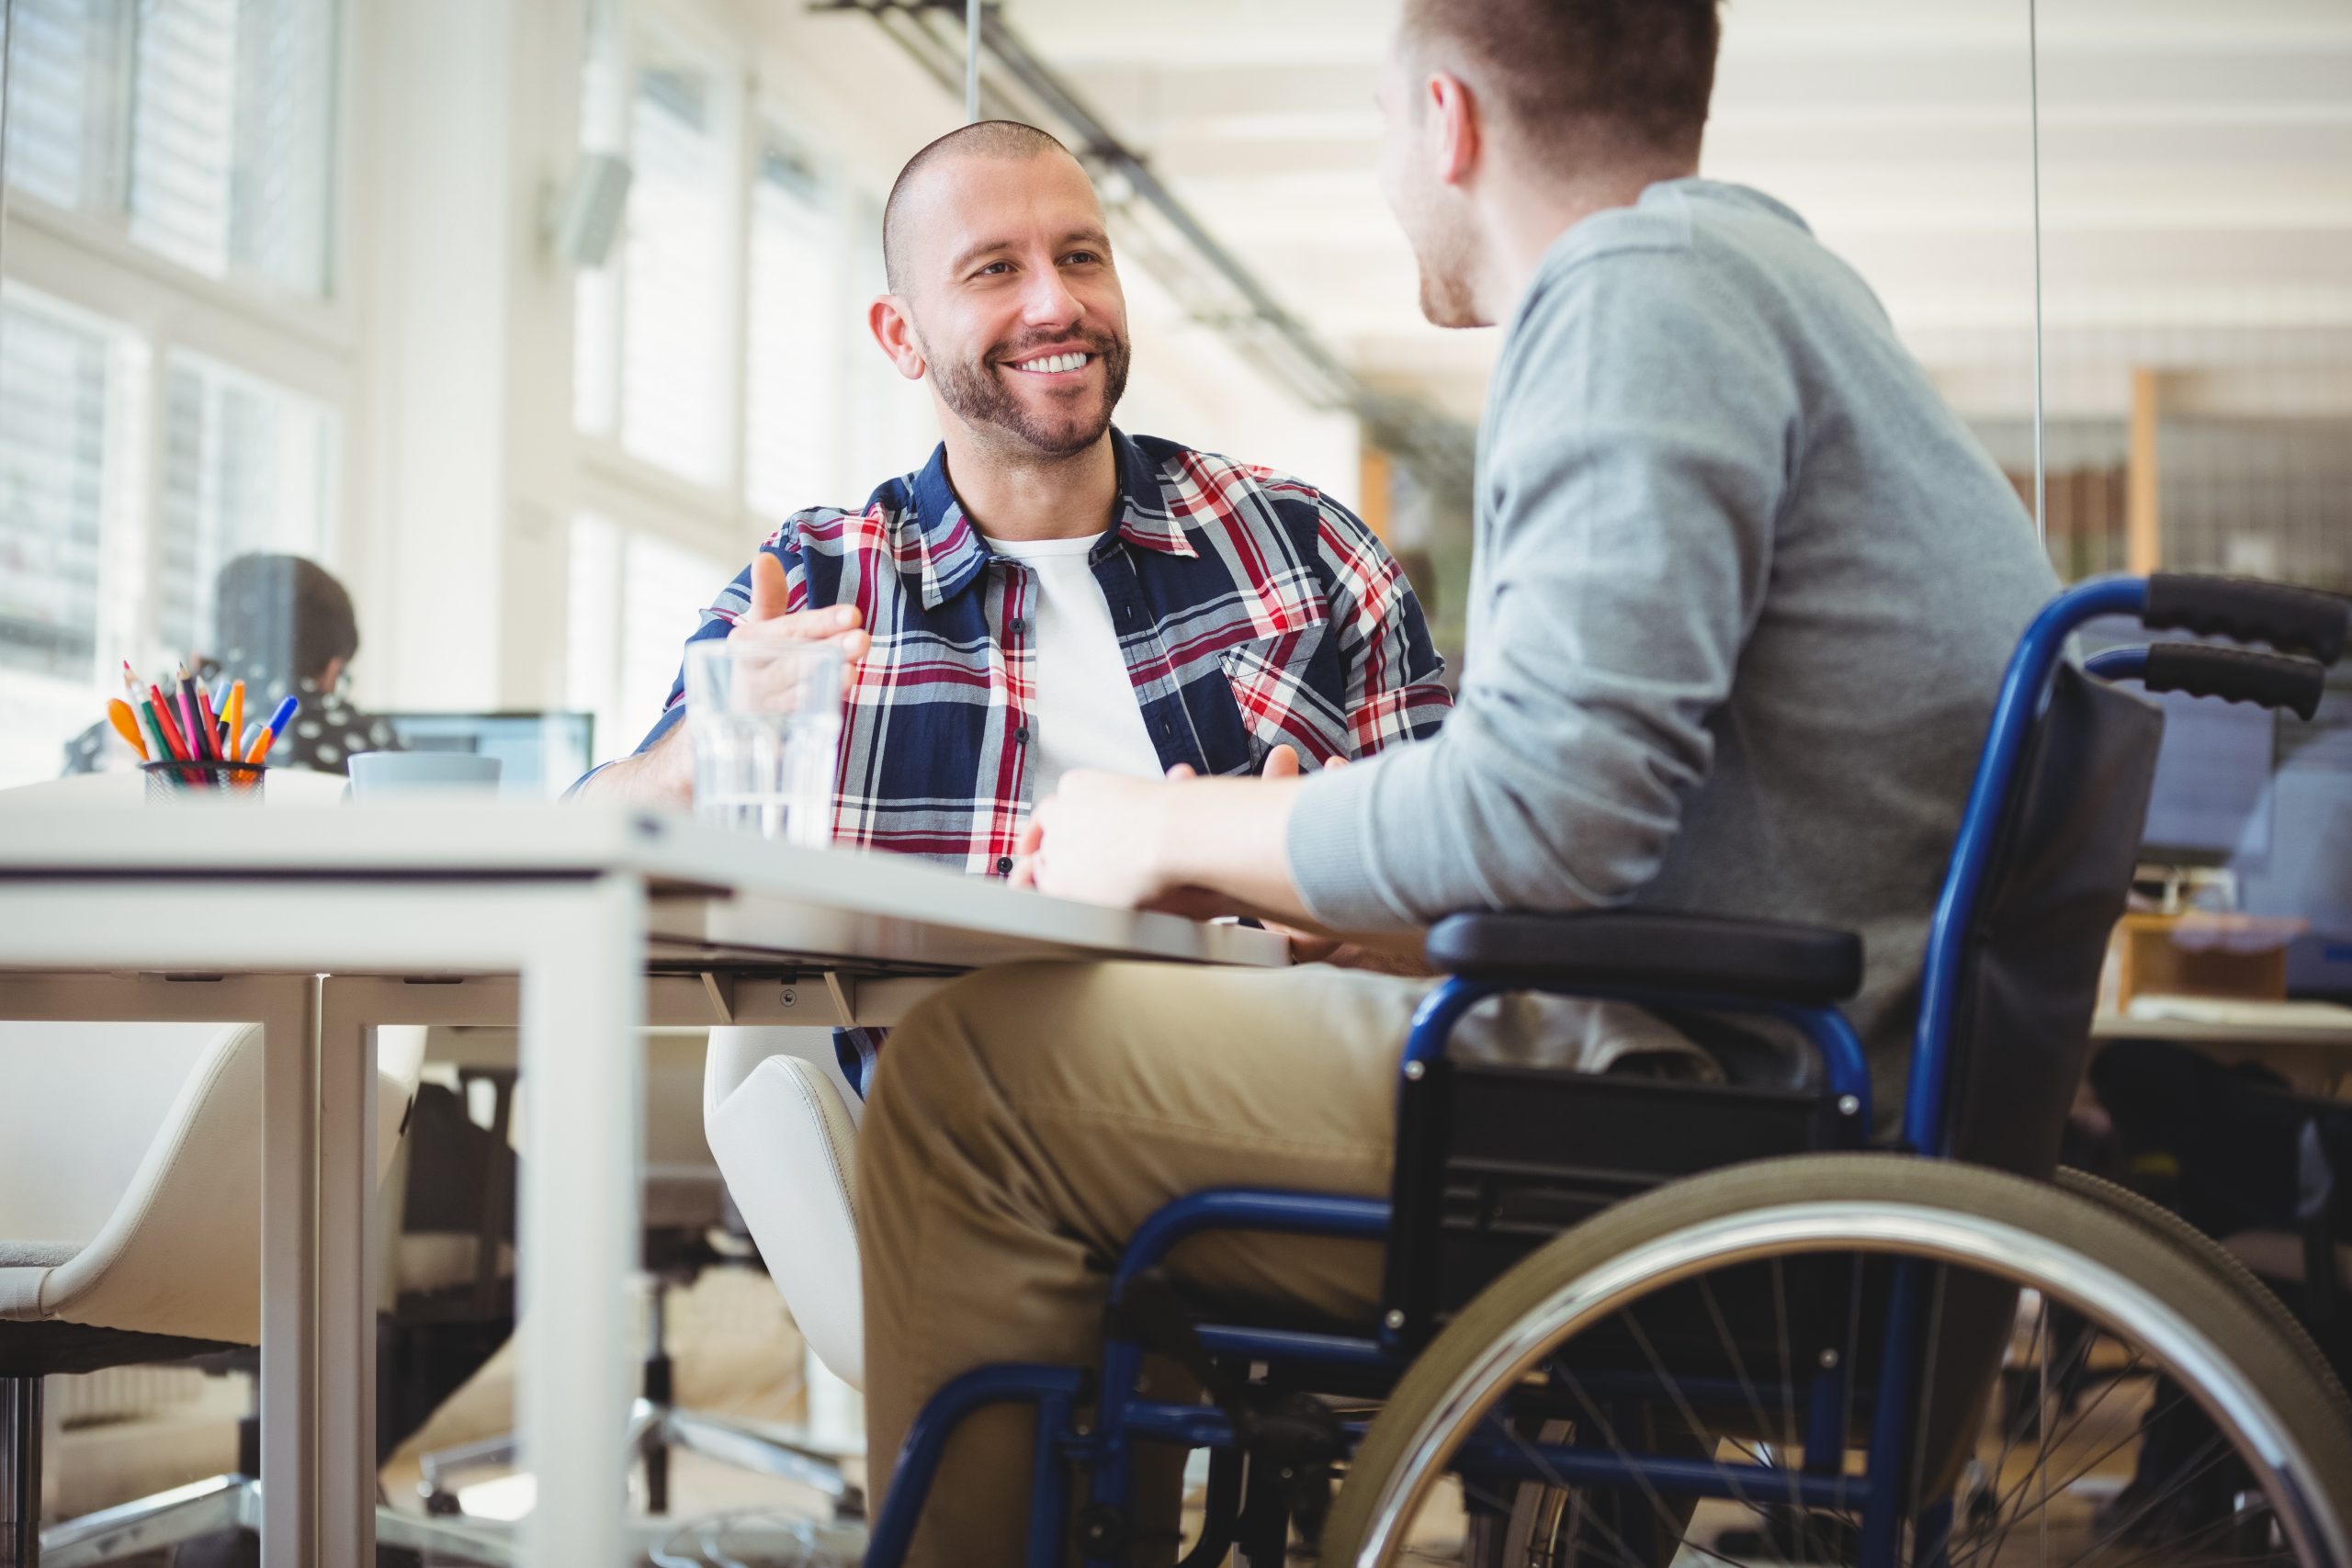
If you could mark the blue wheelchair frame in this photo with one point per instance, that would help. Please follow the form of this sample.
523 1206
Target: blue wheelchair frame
1104 1448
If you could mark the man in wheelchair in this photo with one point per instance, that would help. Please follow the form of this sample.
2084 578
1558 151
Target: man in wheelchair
1743 596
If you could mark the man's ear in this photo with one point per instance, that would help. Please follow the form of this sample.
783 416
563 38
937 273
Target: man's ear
1450 114
887 317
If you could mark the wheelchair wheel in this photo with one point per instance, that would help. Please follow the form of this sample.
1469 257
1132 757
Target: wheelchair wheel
2171 1228
2148 1408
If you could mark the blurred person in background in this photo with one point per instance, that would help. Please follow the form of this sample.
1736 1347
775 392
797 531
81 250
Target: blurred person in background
282 624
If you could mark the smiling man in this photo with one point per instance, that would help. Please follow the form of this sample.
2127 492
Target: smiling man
1049 593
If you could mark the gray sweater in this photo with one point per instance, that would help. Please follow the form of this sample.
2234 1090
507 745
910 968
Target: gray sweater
1742 592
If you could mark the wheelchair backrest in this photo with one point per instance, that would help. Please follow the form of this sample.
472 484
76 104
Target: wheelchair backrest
2060 868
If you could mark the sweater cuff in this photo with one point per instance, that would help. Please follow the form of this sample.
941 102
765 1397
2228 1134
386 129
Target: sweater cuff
1327 845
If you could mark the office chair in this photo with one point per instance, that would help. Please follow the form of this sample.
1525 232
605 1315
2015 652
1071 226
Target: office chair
134 1214
685 1209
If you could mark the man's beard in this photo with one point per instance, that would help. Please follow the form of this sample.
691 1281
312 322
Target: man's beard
1445 301
1443 258
976 390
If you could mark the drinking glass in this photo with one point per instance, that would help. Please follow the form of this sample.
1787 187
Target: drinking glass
764 719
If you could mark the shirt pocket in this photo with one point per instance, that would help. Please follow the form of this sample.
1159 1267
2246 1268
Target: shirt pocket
1288 694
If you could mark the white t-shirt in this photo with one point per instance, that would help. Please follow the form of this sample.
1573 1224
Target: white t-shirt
1086 714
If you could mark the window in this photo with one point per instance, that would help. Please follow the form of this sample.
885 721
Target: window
55 374
792 354
247 467
654 352
63 78
200 131
200 128
634 599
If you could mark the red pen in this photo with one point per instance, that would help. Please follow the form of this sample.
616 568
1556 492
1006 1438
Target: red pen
205 723
171 727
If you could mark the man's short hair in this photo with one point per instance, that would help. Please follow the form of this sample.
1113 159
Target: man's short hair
985 139
1629 75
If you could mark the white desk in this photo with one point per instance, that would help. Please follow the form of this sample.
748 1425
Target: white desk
583 923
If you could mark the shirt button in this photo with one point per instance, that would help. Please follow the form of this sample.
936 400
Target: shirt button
1021 735
1017 625
1004 865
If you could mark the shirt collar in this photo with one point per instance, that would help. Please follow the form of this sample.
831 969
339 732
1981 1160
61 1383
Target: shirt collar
949 552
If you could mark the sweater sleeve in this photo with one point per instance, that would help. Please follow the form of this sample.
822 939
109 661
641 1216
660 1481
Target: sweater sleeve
1633 467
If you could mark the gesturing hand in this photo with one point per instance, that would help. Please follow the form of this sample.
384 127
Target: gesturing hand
768 620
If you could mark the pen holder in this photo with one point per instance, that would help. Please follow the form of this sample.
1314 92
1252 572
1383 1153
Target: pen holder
204 780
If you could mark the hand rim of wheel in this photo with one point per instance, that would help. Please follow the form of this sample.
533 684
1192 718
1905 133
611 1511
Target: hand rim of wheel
1890 1226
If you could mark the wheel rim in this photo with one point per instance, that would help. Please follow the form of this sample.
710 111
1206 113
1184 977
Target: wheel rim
1879 1226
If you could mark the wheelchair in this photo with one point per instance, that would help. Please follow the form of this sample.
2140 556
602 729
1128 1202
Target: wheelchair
1625 1319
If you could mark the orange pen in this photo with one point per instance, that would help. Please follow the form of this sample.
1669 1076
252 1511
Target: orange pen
126 723
235 716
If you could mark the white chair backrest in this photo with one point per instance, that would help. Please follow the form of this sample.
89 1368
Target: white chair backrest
784 1134
734 1053
83 1104
149 1153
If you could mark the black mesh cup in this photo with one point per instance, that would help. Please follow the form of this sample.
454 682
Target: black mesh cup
204 780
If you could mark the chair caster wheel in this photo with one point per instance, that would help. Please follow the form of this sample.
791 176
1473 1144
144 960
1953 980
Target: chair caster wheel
442 1505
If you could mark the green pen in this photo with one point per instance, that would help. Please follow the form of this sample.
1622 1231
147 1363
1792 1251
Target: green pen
164 752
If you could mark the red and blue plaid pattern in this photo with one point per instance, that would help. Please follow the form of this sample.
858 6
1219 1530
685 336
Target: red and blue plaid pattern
1253 612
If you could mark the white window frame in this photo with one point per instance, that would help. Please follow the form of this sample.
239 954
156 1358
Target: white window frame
634 494
87 263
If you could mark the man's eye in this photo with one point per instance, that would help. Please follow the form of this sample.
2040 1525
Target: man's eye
1082 258
994 268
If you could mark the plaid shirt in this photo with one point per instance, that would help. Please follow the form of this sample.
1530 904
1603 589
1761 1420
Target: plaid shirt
1252 610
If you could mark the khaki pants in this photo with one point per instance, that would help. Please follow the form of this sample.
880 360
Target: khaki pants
1028 1118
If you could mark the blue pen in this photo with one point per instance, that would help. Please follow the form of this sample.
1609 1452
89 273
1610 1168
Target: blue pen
274 729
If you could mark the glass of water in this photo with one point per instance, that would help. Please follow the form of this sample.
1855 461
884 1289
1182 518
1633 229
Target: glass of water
764 719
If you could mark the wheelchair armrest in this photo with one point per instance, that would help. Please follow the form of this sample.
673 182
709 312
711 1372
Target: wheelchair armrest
1640 949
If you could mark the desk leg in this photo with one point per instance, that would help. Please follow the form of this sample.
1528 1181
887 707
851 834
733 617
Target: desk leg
347 1258
583 1004
290 1364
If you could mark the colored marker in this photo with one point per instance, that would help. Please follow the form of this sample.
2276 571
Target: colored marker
276 726
126 723
233 719
163 711
192 730
155 727
210 725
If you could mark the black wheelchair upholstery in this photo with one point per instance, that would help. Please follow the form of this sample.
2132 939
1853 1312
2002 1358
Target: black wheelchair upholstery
1650 949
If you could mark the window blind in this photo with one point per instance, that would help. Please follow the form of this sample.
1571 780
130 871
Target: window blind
54 398
675 376
247 467
792 366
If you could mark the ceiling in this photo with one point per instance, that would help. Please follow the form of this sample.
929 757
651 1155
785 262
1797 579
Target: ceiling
2196 173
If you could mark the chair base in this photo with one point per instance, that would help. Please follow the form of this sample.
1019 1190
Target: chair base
226 1503
653 1429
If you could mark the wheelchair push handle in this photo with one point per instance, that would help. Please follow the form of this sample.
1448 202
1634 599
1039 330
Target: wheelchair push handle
2267 680
2293 620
